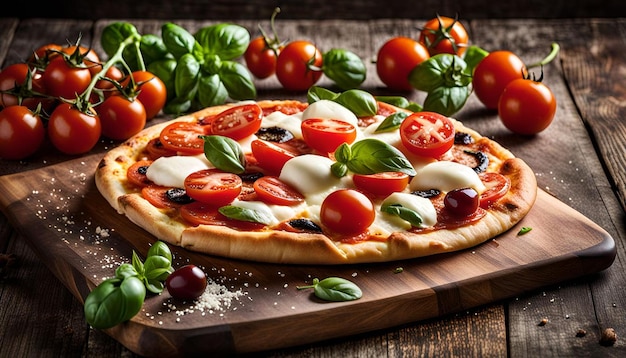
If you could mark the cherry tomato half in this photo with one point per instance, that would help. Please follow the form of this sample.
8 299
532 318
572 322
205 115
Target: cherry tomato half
526 107
213 186
444 35
381 184
325 135
294 65
238 122
493 73
184 137
347 212
121 118
497 186
186 283
396 59
72 131
260 58
270 156
427 134
21 132
272 190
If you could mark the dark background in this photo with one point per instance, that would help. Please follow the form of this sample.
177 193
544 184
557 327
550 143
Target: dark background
320 9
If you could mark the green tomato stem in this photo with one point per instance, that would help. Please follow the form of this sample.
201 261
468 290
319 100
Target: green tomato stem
551 56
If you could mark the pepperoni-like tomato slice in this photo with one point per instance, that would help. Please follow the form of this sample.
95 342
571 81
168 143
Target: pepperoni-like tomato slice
381 184
184 137
325 135
213 186
270 156
136 173
497 186
198 213
238 122
272 190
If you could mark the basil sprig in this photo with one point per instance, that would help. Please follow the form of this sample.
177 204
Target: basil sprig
334 289
118 299
370 156
412 216
224 153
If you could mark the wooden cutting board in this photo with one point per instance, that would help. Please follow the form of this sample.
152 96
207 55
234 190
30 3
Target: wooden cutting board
82 240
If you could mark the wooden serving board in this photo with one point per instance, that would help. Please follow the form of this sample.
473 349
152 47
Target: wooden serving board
82 240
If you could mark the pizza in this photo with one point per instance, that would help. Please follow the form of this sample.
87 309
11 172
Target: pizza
284 181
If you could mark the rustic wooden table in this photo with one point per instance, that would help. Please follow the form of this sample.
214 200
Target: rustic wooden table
579 160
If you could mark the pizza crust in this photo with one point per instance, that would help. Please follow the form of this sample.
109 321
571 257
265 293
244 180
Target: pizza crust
308 248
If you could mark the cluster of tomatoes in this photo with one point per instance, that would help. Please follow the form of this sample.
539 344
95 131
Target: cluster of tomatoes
63 93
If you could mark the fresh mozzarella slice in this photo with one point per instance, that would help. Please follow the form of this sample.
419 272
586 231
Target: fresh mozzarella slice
446 176
330 110
309 174
172 171
289 122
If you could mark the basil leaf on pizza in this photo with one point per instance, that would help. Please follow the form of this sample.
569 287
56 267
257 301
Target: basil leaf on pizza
224 153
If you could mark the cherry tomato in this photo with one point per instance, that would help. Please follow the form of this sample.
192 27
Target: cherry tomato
294 65
186 283
461 202
270 156
444 35
347 212
72 131
88 54
526 107
213 186
184 137
21 132
136 173
261 58
64 81
121 118
152 92
15 77
381 184
493 73
112 73
272 190
325 135
238 122
396 59
427 134
497 186
45 52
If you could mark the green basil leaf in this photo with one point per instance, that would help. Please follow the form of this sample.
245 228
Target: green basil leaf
370 156
412 216
343 153
391 122
316 93
360 102
473 56
125 270
177 40
228 41
186 77
442 70
344 67
224 153
114 301
237 81
400 102
245 214
157 267
166 71
114 34
159 248
137 264
339 170
152 48
446 100
211 91
176 106
154 285
335 289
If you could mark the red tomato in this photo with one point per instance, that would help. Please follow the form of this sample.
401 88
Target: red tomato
157 196
64 81
136 173
497 186
461 202
261 58
396 59
88 54
493 73
15 77
112 73
272 190
72 131
238 122
381 184
444 35
155 149
347 212
270 156
151 92
526 107
45 52
121 118
186 283
427 134
21 132
213 186
184 137
325 135
199 213
294 65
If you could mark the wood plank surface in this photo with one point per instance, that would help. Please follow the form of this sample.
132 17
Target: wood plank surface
509 327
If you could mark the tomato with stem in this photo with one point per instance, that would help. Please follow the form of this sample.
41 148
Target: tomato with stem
150 90
21 132
121 118
443 34
526 106
427 134
298 66
262 52
21 82
64 79
493 73
73 131
396 59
